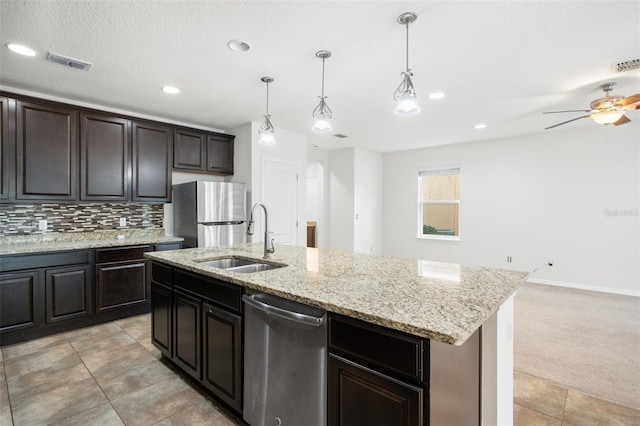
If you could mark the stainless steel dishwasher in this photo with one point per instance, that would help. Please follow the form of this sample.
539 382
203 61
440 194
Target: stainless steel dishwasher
285 357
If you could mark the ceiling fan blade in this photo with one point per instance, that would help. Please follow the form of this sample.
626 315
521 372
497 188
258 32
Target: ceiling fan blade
568 121
633 99
622 120
572 110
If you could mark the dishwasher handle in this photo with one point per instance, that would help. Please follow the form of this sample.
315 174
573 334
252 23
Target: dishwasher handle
284 313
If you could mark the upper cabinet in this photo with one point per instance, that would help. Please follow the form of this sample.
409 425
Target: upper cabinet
104 157
152 159
203 152
60 152
46 152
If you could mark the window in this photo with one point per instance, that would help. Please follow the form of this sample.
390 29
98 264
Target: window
439 203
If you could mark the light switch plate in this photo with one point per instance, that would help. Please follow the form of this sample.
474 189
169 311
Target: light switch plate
123 221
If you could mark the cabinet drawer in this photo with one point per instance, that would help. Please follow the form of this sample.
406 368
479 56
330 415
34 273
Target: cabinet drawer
167 246
121 254
45 260
161 273
390 350
217 291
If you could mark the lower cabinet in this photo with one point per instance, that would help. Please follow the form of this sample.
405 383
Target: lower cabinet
19 301
222 354
121 277
68 293
197 324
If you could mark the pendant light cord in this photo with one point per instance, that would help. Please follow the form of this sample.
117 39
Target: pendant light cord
323 77
267 99
407 25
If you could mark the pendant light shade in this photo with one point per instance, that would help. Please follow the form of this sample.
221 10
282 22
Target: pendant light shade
266 129
322 113
405 94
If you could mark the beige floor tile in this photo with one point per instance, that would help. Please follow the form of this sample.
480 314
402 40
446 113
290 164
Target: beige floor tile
134 379
539 395
152 349
2 376
156 402
203 413
47 379
98 343
58 356
584 409
102 415
96 330
57 404
5 407
139 331
21 349
523 416
114 361
130 321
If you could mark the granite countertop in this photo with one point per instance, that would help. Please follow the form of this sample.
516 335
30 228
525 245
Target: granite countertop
441 301
48 242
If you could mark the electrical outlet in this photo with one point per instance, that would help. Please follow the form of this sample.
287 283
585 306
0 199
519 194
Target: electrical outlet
123 221
42 225
509 259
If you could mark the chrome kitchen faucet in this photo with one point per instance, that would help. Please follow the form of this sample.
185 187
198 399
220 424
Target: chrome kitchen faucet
268 243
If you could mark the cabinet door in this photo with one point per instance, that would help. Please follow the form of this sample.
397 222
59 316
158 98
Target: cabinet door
220 154
120 285
104 157
161 317
7 141
19 301
189 150
222 354
68 293
152 159
46 147
359 396
186 333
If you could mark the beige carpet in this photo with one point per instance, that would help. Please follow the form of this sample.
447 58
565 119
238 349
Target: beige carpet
583 340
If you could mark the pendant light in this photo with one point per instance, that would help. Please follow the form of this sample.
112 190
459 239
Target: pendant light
405 93
266 130
322 113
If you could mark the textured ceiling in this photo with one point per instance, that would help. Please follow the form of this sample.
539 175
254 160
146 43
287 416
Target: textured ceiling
501 63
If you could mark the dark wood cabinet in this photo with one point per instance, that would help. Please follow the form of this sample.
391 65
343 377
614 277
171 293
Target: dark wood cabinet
104 157
121 278
222 354
7 144
360 396
152 159
46 152
189 150
161 300
19 301
187 342
220 154
68 293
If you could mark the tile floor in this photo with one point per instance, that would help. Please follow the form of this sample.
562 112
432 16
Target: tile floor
111 374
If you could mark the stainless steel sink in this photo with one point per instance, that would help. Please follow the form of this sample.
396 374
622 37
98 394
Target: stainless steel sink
236 264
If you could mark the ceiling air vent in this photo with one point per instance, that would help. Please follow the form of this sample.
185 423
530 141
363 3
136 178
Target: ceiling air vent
69 62
340 136
631 64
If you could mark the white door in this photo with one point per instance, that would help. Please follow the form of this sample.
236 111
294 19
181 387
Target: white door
280 195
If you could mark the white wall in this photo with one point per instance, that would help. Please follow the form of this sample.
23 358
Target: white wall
341 200
368 201
318 199
535 198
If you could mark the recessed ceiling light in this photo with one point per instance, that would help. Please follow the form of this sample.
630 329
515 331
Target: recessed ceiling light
170 89
238 45
480 126
23 50
436 95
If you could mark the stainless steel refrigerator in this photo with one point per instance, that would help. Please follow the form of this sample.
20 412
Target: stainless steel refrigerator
210 214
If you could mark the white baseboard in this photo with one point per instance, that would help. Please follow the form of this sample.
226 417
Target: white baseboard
635 293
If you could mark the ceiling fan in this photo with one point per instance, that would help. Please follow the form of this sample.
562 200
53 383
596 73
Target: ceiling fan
607 110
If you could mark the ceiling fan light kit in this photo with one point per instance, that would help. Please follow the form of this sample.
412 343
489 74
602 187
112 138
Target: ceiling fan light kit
322 113
266 130
607 110
405 94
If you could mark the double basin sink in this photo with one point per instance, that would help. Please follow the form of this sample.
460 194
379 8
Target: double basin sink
241 265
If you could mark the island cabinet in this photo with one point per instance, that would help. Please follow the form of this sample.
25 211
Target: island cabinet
41 293
197 324
384 370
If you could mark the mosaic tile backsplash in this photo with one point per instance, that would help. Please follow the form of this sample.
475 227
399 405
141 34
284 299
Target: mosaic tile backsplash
22 219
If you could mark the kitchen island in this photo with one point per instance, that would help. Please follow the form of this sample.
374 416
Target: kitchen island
463 314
